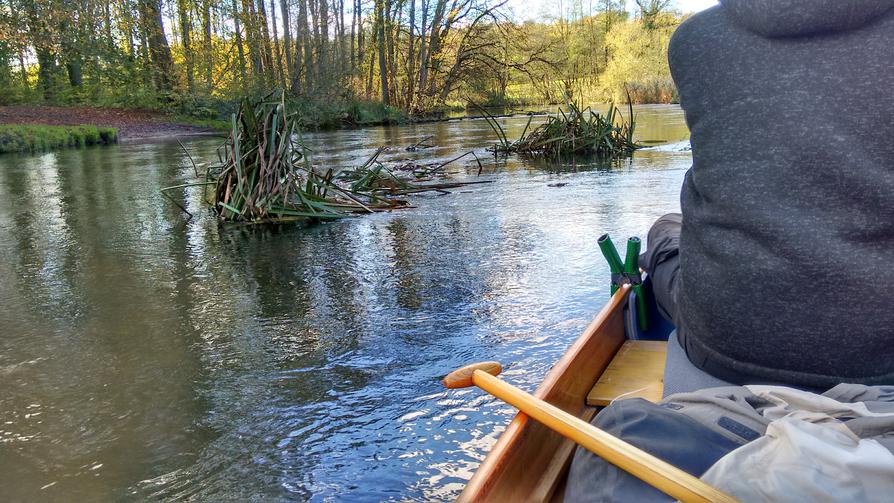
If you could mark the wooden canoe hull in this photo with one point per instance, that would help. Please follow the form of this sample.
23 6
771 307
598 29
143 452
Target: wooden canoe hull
529 461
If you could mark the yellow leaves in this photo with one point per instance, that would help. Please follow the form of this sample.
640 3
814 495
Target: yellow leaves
639 60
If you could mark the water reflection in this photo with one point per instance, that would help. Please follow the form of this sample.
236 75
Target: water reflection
81 294
149 355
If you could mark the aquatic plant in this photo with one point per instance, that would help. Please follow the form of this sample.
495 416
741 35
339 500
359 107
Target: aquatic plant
266 174
579 131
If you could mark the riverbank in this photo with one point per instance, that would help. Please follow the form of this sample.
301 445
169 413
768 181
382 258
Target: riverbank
37 128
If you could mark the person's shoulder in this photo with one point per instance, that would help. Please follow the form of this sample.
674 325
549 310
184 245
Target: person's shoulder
697 33
700 27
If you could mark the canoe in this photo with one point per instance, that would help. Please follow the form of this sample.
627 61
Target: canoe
529 462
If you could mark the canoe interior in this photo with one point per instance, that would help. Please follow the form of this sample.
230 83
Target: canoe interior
529 462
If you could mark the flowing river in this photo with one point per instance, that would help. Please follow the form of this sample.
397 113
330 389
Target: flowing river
145 355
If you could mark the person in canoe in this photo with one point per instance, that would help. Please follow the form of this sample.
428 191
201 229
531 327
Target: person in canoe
779 269
777 276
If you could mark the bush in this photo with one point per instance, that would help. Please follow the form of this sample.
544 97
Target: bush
373 112
318 113
26 138
654 90
639 63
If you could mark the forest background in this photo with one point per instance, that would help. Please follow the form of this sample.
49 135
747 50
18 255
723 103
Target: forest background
342 62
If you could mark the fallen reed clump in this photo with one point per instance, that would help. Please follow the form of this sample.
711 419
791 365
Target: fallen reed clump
266 175
575 132
403 178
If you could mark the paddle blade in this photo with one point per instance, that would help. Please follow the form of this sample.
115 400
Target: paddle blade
462 378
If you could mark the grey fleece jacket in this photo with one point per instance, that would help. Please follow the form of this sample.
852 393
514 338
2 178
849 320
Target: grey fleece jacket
787 245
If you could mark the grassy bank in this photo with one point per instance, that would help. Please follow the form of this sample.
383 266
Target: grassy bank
27 138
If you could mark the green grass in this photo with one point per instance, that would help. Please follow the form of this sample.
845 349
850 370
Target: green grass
28 138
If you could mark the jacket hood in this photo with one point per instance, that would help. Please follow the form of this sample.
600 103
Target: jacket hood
786 18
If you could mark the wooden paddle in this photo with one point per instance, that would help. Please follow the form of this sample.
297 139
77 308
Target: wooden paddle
642 465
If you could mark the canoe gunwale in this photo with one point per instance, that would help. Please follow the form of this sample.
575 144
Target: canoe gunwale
509 472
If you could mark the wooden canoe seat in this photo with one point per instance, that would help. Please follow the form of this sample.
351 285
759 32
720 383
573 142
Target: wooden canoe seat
636 371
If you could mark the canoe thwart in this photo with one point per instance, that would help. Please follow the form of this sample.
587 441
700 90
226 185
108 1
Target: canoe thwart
462 377
636 371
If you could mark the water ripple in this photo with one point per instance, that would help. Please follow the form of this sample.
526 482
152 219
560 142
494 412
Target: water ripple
151 357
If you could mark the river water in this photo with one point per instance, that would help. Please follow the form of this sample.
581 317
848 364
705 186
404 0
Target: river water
145 355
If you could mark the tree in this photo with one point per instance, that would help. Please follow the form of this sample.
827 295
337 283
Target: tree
157 42
419 55
184 7
650 9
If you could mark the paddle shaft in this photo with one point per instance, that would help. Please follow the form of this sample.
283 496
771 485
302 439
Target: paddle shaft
642 465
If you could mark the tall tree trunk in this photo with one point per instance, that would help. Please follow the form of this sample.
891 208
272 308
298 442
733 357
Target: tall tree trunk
353 37
306 46
411 57
340 37
207 43
183 9
71 52
287 39
389 38
425 50
360 35
250 22
75 71
324 41
380 42
40 37
128 26
434 48
372 63
315 77
46 74
23 71
239 45
266 50
277 53
145 62
107 24
334 46
159 51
